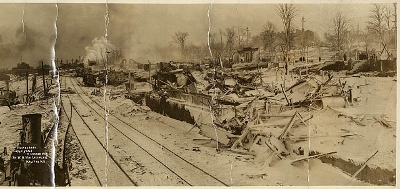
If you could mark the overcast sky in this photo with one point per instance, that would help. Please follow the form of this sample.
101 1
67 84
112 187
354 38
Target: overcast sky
139 30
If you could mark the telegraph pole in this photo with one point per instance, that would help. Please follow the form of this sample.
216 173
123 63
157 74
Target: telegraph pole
222 44
395 24
44 82
149 71
247 34
27 87
302 37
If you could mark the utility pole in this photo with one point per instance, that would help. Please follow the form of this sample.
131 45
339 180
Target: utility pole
247 34
129 89
27 87
222 44
395 24
395 15
106 69
149 71
302 37
44 81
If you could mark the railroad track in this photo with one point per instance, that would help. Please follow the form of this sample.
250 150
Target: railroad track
186 171
113 173
80 144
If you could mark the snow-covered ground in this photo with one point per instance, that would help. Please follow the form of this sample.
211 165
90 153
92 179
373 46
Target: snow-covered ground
376 96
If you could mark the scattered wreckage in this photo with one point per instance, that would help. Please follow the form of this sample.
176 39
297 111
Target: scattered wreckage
247 112
265 114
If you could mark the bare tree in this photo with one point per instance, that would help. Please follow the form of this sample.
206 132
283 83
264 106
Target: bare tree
215 44
180 39
389 16
367 39
268 36
230 35
194 52
287 12
395 15
221 34
395 24
376 24
381 24
241 37
340 30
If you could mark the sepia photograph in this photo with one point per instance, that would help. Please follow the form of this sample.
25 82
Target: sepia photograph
196 93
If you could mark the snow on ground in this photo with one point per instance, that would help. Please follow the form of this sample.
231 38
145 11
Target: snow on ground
375 96
238 169
11 123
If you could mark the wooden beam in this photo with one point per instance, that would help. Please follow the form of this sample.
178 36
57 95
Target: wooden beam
287 127
382 121
364 165
284 93
274 150
235 144
302 120
274 115
243 152
310 157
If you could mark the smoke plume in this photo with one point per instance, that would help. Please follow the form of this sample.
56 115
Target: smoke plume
99 51
27 46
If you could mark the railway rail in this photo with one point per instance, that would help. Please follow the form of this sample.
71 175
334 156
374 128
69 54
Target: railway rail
70 128
93 143
188 172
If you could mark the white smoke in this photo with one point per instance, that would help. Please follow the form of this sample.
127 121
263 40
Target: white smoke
99 50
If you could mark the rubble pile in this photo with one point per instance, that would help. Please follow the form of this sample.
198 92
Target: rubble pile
310 112
127 108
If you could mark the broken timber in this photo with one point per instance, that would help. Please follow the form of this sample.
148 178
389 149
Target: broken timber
310 157
290 125
364 165
239 140
382 121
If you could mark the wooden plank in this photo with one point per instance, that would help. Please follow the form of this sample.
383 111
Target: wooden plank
274 150
196 123
194 139
382 121
243 152
310 157
245 133
287 127
317 136
284 93
302 120
277 123
363 166
274 115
